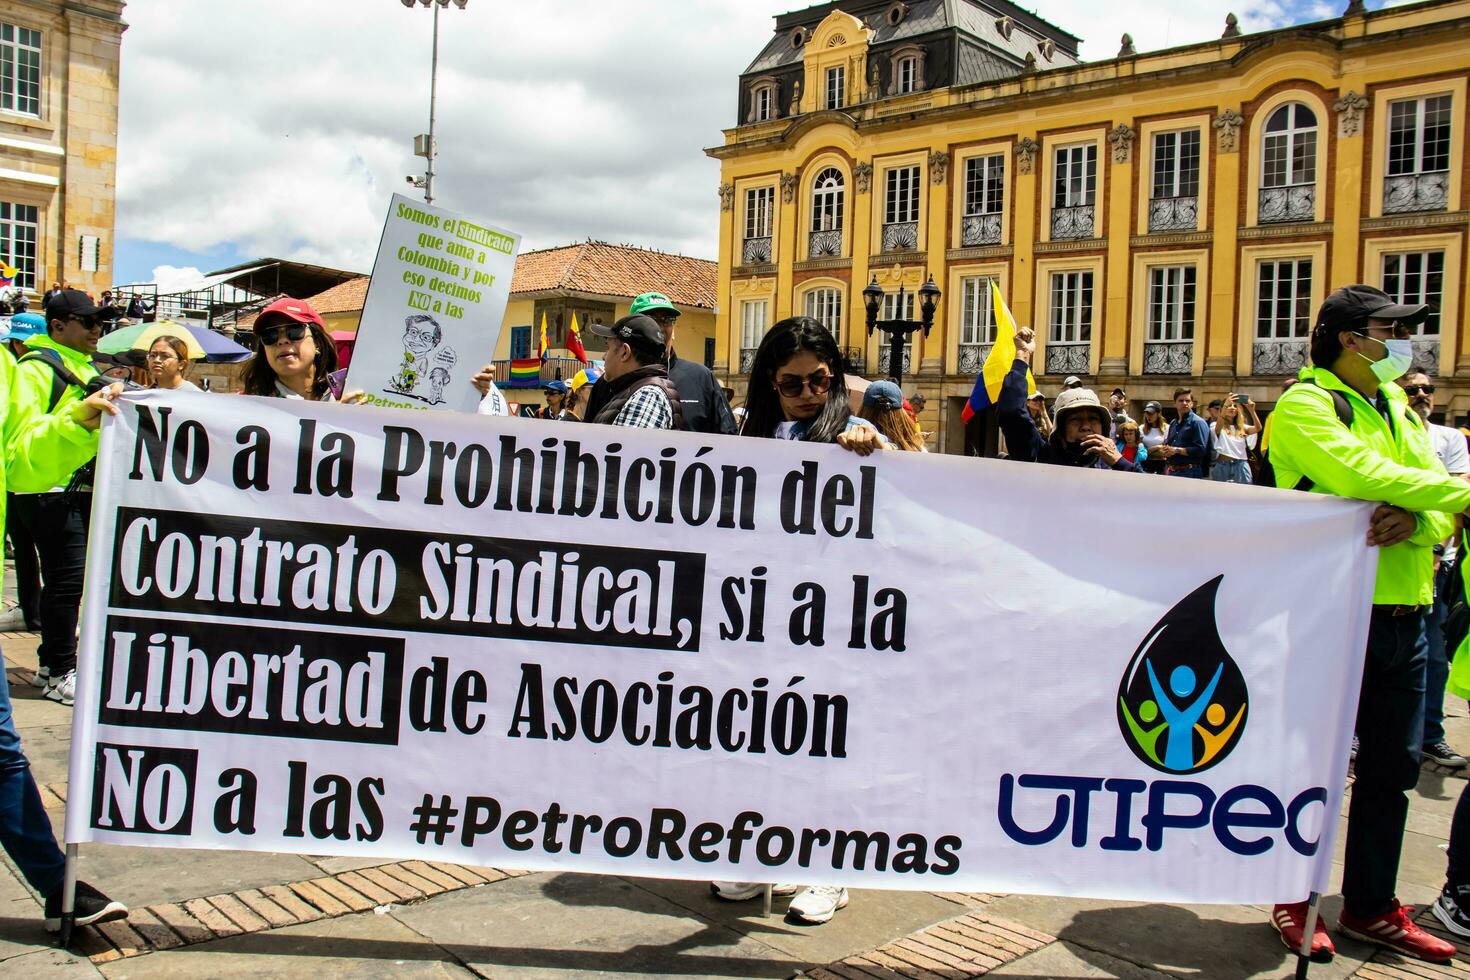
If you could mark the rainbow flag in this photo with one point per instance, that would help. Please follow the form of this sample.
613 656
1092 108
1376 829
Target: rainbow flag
998 364
525 372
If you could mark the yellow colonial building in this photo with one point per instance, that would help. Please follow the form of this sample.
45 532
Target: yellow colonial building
1163 219
58 140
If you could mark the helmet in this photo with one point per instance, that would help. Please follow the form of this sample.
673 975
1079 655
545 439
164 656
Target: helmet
1079 400
648 302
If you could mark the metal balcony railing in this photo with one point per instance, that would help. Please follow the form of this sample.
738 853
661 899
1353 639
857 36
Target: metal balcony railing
1416 192
980 229
824 244
1173 214
1285 204
1168 356
972 358
901 236
1068 358
756 251
1285 356
1070 224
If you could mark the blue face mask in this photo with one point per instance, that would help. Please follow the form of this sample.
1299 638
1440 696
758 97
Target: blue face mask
1397 362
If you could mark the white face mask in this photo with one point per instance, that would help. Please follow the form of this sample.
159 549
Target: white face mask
1396 364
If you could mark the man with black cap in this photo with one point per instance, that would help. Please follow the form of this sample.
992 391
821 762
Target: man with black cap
1345 430
50 381
639 393
702 401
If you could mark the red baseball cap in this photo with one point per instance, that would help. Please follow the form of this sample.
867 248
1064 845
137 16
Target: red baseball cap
297 310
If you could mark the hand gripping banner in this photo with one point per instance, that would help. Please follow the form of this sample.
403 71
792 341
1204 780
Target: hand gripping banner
351 630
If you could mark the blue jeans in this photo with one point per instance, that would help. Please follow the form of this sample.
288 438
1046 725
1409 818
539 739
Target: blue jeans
1437 669
25 830
1390 726
1227 470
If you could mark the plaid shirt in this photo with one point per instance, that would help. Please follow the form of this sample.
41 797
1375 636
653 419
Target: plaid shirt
647 409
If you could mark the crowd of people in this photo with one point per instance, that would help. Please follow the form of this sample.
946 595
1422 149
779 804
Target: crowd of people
1355 424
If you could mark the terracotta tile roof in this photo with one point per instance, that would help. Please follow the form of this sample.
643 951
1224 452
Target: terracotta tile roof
346 297
617 270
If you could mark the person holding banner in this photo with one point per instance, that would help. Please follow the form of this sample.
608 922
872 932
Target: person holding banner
25 830
1345 430
1081 427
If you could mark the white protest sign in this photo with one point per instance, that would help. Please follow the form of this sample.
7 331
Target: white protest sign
337 630
433 310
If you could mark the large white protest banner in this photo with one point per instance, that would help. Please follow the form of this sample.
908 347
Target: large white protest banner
433 310
359 631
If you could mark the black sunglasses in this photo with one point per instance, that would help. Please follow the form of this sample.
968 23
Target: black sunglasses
1419 389
819 383
294 332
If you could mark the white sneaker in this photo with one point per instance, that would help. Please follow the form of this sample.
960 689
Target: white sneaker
41 678
817 904
63 690
740 891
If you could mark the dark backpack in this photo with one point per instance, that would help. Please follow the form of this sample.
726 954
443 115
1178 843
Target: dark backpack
62 379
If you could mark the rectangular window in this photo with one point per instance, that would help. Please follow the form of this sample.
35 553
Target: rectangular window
825 306
520 342
1284 299
902 200
891 310
1176 164
1071 308
1171 302
908 75
1419 135
20 229
20 70
759 203
1416 277
752 323
762 104
985 179
1076 176
836 84
977 313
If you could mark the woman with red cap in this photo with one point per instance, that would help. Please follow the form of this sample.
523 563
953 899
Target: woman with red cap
296 355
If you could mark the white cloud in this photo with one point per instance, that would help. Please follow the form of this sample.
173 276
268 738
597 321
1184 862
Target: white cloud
282 127
174 279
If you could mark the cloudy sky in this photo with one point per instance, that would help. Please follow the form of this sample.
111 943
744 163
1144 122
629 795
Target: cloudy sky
280 127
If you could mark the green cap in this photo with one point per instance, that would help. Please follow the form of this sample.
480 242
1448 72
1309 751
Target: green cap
651 301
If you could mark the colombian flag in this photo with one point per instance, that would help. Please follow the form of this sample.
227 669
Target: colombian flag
574 342
543 348
525 373
998 364
7 274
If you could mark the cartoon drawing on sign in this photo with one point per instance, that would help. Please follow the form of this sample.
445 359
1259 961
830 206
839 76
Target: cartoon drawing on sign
422 335
1198 727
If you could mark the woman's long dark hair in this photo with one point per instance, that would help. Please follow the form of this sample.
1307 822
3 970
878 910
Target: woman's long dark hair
780 344
259 378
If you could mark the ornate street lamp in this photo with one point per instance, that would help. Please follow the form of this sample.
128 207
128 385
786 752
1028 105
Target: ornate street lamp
898 331
423 146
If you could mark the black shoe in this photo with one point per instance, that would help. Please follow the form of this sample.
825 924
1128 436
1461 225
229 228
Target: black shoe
90 907
1440 753
1451 909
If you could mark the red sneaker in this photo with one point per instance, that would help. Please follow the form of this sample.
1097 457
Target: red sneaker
1396 930
1291 920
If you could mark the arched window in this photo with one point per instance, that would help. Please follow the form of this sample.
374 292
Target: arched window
1289 155
827 192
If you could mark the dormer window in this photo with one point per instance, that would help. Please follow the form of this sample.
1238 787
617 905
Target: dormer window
763 104
1005 25
906 70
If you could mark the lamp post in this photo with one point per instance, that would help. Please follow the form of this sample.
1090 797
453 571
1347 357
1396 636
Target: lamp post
898 331
423 146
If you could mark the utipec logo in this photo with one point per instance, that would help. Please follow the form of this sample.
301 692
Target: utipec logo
1182 703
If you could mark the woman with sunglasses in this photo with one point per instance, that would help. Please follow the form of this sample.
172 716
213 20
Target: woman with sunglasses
798 390
168 362
296 355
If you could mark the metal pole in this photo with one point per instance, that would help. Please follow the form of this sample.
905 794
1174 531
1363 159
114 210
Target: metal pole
68 896
1304 955
433 91
895 356
766 902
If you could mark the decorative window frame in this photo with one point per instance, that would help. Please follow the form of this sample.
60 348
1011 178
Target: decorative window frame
745 290
878 197
52 37
920 56
1041 308
1245 311
757 85
955 307
1142 263
806 286
1454 287
1455 88
1255 169
1049 145
957 182
1145 171
737 225
809 172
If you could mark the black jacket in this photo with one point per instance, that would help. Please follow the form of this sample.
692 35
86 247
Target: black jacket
700 397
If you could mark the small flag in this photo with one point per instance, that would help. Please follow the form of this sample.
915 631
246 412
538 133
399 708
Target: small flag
543 348
574 342
7 274
998 364
525 373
